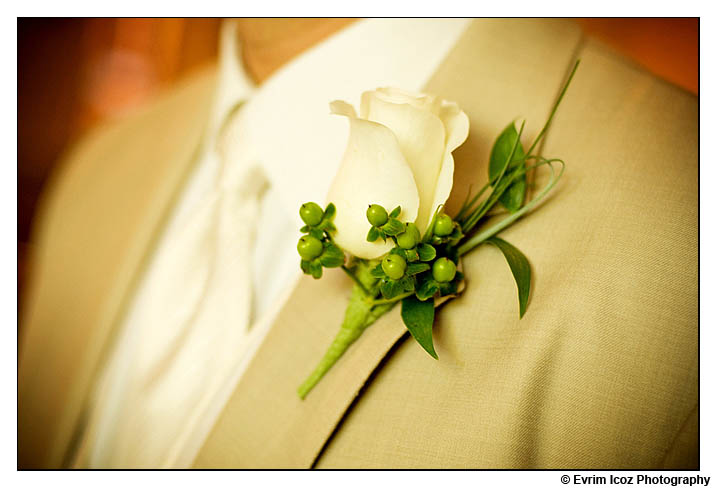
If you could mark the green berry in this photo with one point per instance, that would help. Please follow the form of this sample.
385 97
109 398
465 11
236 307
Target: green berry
377 215
444 270
409 238
394 266
443 225
309 247
311 213
406 240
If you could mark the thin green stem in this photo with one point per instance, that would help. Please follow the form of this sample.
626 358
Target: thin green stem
348 271
355 279
488 204
495 193
475 215
498 227
430 230
493 198
358 316
393 299
468 204
555 107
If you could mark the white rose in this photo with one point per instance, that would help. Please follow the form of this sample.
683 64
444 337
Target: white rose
399 153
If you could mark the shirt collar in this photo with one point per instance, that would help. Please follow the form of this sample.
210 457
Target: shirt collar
233 83
285 126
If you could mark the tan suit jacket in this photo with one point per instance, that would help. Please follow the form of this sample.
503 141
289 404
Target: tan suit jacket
602 371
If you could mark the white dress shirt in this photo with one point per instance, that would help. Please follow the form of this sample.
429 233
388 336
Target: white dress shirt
227 259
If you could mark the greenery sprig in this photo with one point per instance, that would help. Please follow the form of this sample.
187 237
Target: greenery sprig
316 248
419 271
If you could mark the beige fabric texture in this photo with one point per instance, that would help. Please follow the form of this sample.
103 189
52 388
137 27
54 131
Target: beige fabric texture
601 371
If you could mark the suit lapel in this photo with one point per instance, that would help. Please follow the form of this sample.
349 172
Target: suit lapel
102 221
265 424
498 70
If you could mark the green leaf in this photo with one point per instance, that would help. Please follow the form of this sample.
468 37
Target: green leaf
520 268
304 229
426 252
427 289
449 288
407 283
377 271
412 255
456 235
395 212
497 227
315 269
330 211
372 235
398 251
393 227
317 233
326 225
501 151
306 267
452 254
390 288
418 317
513 197
332 256
414 268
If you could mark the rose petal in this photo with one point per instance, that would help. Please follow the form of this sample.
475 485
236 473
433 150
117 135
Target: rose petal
373 171
456 124
421 137
340 107
398 96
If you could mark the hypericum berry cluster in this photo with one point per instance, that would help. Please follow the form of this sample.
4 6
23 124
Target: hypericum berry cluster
412 265
383 224
316 247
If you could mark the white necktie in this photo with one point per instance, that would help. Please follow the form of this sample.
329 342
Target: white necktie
189 326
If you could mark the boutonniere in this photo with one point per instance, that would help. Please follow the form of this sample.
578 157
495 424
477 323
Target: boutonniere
385 225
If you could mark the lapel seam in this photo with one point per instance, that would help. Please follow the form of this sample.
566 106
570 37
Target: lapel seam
395 346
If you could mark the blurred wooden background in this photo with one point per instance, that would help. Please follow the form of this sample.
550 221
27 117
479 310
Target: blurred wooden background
76 73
